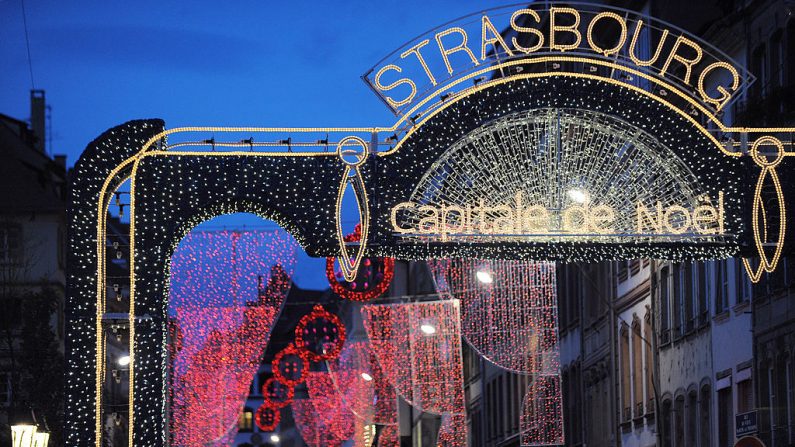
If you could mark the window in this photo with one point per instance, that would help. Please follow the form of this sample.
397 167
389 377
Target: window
665 306
725 418
637 368
777 64
745 396
649 364
679 422
721 288
5 389
689 297
743 283
704 425
625 375
246 420
702 293
692 419
667 432
791 52
759 68
623 271
679 294
10 243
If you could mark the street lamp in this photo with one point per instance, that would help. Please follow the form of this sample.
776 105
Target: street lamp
22 435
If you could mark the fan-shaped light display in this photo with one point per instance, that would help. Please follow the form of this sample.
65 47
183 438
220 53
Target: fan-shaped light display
514 180
512 320
226 291
425 367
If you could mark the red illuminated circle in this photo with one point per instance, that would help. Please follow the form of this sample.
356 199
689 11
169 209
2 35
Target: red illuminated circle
290 366
320 335
267 417
277 393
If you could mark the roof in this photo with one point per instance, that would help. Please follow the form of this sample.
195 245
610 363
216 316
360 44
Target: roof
30 181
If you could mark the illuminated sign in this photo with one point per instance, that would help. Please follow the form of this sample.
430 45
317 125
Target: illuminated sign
476 42
519 220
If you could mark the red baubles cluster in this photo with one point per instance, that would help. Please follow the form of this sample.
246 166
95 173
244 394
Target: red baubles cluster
372 279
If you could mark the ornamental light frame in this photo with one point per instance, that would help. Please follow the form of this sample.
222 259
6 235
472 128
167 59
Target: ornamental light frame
123 153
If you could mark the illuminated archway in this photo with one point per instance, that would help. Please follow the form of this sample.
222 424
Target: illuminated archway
295 176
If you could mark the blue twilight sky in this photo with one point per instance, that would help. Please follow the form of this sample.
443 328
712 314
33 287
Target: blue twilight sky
245 63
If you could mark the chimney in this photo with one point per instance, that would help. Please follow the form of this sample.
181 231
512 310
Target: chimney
37 118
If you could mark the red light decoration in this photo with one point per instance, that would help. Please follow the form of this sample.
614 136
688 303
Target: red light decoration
419 348
267 417
453 431
276 393
509 315
542 415
320 335
362 384
389 436
372 279
508 310
290 366
333 412
226 290
311 427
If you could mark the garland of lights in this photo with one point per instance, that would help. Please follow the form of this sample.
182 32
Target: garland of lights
508 310
276 393
372 279
310 425
333 412
267 417
389 436
419 348
219 331
541 422
290 366
320 335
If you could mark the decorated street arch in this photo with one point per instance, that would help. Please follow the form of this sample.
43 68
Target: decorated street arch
580 133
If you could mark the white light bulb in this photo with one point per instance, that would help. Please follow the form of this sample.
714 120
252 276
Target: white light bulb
275 438
484 276
367 377
578 195
428 329
124 360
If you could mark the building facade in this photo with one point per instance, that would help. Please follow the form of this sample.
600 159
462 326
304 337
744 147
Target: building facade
33 188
